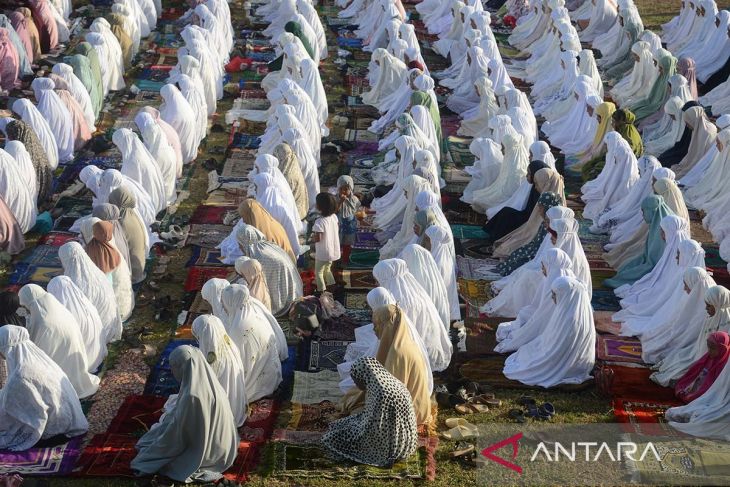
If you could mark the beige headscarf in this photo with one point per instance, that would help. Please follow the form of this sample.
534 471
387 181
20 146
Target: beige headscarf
289 167
667 188
401 356
252 213
546 180
704 133
252 272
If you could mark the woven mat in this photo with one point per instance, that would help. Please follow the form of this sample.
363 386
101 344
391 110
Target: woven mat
326 354
313 388
238 167
42 460
469 268
614 349
207 235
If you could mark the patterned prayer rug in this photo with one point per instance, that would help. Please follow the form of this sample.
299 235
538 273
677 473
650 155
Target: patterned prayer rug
644 417
260 422
313 388
459 150
326 354
357 279
136 415
210 214
363 259
365 240
43 256
356 301
611 348
46 461
56 239
198 276
161 382
475 248
604 300
206 257
630 381
207 235
469 268
604 324
25 273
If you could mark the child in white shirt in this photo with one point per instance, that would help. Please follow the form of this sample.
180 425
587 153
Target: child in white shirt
326 237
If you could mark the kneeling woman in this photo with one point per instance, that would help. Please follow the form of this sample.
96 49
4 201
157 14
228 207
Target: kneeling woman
385 431
196 440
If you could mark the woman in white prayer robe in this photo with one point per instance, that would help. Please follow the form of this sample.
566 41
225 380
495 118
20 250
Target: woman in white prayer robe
637 84
637 313
399 231
25 169
708 61
78 91
38 400
57 115
112 76
673 327
112 179
393 275
309 80
576 128
176 111
17 196
662 136
30 115
86 316
305 110
512 171
464 97
391 74
196 99
564 352
95 286
706 194
486 167
528 310
225 360
706 164
674 365
280 206
195 440
297 140
250 331
475 122
421 264
603 17
161 151
139 165
53 328
307 10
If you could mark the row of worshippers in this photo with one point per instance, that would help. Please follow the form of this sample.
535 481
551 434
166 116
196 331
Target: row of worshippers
640 205
61 121
68 326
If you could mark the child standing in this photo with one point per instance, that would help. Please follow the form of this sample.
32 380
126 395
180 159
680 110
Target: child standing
325 234
349 204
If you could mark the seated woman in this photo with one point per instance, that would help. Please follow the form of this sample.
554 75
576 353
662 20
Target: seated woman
385 431
225 360
254 336
706 415
38 401
282 277
54 329
564 352
422 265
401 352
196 440
252 275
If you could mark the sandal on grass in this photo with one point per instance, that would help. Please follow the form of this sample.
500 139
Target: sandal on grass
487 399
454 422
462 449
518 415
546 411
471 408
461 432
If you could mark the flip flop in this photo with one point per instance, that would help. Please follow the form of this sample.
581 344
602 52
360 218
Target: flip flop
471 408
546 411
455 422
462 449
461 433
487 399
518 415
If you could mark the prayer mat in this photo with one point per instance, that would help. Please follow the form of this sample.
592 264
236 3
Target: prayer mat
688 461
340 328
237 167
450 124
604 300
473 269
326 354
245 141
136 415
598 276
363 259
286 460
489 370
455 188
356 301
476 249
56 239
475 292
207 235
365 240
644 417
630 381
455 175
314 417
604 323
611 348
313 388
185 331
210 214
357 279
464 216
161 381
198 276
228 197
109 455
200 305
206 257
481 337
260 421
46 461
354 135
468 231
361 176
25 273
295 437
43 256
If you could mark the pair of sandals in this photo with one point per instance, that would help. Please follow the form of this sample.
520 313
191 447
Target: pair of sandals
544 412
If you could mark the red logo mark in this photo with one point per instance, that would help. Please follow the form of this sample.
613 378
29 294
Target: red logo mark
512 440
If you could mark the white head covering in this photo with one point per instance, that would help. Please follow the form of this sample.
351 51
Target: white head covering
176 111
95 286
412 185
250 330
139 165
388 77
30 115
225 360
161 151
17 196
280 206
423 120
54 329
616 179
57 116
212 291
304 110
112 179
568 242
24 166
442 251
709 60
603 17
78 91
192 92
393 275
512 171
564 352
487 164
38 400
92 329
664 135
638 83
421 264
311 83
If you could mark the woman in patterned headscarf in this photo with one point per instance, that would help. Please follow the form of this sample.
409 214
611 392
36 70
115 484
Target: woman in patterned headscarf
21 131
384 432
